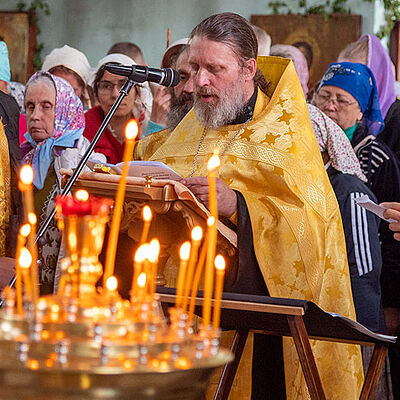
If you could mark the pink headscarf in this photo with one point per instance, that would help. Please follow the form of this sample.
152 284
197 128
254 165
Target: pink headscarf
299 61
381 65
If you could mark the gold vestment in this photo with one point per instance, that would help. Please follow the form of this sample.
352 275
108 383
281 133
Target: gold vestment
297 229
5 190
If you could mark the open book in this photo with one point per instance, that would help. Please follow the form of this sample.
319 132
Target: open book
139 169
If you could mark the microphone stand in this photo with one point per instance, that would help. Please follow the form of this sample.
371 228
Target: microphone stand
124 91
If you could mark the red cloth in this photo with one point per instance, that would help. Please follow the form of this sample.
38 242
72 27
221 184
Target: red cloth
22 128
107 144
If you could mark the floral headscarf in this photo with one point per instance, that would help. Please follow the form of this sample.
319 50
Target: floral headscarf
69 123
331 138
359 81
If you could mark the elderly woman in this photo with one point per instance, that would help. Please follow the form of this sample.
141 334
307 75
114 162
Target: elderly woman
136 105
348 95
369 50
73 66
54 140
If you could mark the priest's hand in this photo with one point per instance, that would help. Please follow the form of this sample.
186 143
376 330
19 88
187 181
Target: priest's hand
393 211
226 197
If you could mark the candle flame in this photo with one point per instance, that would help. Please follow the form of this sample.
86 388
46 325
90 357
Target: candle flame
25 258
141 253
184 251
210 221
25 230
219 262
131 129
112 283
147 214
32 218
141 280
82 195
26 175
197 234
214 162
153 250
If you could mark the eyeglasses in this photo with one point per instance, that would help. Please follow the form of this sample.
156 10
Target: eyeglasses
338 102
106 87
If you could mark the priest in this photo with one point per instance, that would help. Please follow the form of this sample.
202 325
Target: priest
273 186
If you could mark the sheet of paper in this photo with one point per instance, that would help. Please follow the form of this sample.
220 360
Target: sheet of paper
368 204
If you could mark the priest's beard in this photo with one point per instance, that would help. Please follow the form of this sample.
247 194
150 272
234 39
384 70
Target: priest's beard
229 105
180 106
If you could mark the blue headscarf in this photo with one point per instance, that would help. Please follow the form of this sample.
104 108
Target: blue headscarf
359 81
5 72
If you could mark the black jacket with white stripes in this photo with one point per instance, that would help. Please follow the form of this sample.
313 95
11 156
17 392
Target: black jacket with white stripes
363 248
382 169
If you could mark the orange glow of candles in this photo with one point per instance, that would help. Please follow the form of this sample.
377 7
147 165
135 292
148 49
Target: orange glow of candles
147 217
24 232
25 186
219 284
184 253
111 287
196 235
209 272
213 163
140 256
131 131
82 195
154 251
141 286
196 281
25 262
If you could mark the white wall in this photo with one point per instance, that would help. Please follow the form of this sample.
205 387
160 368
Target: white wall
92 26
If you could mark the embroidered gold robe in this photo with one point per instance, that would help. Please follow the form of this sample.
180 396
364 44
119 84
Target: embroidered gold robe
5 190
298 236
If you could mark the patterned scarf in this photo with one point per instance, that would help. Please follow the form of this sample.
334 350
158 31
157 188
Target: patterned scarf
69 123
332 139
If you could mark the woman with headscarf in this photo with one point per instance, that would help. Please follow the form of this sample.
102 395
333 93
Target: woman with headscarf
136 105
73 66
299 61
369 50
360 227
348 95
54 140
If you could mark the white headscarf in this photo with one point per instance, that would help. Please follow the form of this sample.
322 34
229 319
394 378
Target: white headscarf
144 101
71 58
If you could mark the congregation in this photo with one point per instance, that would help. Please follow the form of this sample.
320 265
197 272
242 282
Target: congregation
295 158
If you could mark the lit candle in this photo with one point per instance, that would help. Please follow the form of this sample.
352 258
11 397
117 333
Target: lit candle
147 217
196 281
209 272
197 234
24 232
131 132
154 251
25 262
139 258
25 186
213 163
111 288
141 286
219 284
184 253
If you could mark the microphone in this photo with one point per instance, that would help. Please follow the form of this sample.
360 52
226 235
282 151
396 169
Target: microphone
141 73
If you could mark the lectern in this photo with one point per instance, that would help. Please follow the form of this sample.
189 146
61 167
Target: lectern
300 319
